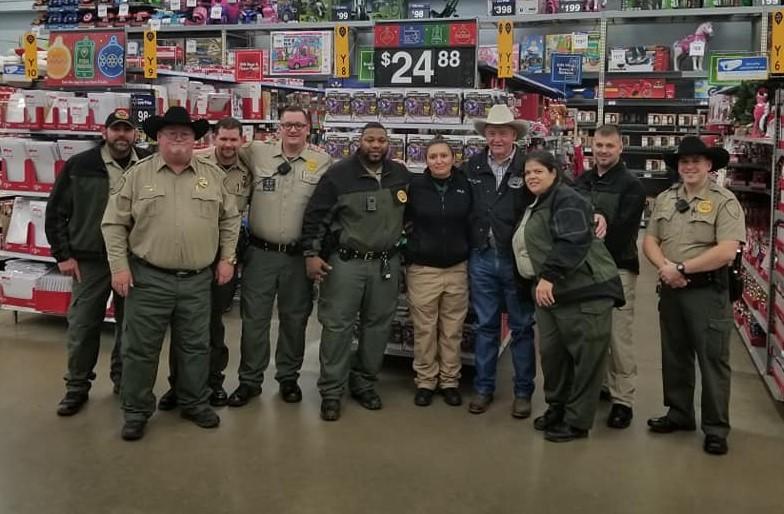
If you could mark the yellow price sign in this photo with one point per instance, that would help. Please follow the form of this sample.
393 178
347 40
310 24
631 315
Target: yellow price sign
342 61
150 54
504 43
30 46
777 42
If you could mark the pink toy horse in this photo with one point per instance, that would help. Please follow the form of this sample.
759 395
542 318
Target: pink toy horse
681 48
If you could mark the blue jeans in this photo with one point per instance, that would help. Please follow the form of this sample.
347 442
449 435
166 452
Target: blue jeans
493 287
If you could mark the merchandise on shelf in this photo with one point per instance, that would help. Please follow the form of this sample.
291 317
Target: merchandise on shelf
301 53
638 88
364 106
203 51
26 230
639 59
589 46
693 46
391 106
446 107
416 146
488 54
419 106
386 9
532 54
556 44
314 10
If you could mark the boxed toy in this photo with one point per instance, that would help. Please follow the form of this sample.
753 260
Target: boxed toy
364 106
419 106
386 9
391 106
338 105
556 44
203 51
473 145
635 88
588 46
416 156
397 147
457 144
446 107
488 54
635 58
314 10
337 145
532 54
476 104
301 53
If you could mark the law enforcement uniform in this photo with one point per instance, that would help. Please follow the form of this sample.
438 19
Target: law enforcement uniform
73 229
696 319
354 221
166 229
237 181
274 265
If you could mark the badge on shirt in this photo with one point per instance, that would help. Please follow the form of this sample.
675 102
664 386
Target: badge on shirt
515 182
311 166
705 207
402 197
268 184
202 183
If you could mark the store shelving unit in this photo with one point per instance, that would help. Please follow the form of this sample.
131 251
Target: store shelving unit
30 257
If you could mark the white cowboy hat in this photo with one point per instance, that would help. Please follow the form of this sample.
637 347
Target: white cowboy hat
500 115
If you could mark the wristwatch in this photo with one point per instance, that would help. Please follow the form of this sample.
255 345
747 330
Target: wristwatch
681 268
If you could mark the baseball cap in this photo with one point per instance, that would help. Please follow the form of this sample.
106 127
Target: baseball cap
119 116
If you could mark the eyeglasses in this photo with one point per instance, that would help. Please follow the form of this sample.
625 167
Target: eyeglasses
296 126
177 134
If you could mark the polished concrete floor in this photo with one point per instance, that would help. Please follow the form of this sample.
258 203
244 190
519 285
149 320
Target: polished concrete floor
277 458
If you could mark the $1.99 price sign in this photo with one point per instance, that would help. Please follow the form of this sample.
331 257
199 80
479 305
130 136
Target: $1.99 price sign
428 54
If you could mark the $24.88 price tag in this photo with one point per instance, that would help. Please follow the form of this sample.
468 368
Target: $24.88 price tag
421 66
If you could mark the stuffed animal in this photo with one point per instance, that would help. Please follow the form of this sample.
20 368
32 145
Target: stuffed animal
682 48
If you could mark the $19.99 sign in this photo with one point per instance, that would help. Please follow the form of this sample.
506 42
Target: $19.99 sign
428 54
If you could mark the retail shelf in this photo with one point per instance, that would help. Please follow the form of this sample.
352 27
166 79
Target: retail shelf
747 139
749 166
648 149
747 189
669 14
757 353
758 317
50 132
5 193
654 102
582 102
659 74
528 19
425 126
751 270
254 27
30 310
654 129
251 122
228 80
18 255
650 174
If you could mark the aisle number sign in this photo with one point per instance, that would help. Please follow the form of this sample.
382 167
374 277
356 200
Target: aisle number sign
777 43
342 64
30 56
505 42
150 54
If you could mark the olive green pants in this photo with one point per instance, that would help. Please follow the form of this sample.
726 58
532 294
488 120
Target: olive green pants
573 343
156 301
696 322
265 276
355 287
85 321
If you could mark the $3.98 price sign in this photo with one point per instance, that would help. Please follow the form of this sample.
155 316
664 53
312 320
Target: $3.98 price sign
502 8
420 66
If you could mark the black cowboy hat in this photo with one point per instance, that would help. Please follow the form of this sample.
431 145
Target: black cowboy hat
174 116
692 145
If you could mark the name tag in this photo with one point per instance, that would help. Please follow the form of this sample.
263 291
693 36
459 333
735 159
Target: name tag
268 185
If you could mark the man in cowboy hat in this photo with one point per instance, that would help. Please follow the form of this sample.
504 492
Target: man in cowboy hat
73 229
693 234
166 220
500 198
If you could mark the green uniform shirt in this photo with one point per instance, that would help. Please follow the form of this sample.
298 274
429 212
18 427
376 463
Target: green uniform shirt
115 170
714 215
169 220
237 181
277 202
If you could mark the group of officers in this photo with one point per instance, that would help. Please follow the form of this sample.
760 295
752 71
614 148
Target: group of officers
164 232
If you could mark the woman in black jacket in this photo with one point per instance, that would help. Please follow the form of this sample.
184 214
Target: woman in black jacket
439 203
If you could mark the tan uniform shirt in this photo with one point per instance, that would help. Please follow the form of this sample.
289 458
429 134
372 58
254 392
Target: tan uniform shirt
714 215
115 170
171 221
278 202
237 181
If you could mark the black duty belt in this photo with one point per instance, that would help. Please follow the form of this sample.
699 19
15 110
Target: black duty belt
348 254
290 249
705 279
179 273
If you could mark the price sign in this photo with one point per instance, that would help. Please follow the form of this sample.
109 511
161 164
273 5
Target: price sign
618 57
142 107
123 10
216 12
425 54
697 48
30 56
133 48
570 6
155 24
504 42
579 41
190 46
341 13
777 43
191 3
103 10
502 7
770 2
174 5
342 64
150 54
418 11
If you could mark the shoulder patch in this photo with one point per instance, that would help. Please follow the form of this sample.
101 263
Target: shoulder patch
733 209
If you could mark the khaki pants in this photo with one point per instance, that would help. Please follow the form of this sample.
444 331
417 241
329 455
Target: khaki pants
622 366
438 302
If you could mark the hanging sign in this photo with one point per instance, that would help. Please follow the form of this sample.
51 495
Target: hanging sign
425 54
366 65
342 64
150 56
30 56
248 65
504 43
86 59
418 11
502 7
777 42
566 68
737 69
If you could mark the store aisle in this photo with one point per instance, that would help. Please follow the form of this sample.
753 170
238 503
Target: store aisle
279 458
